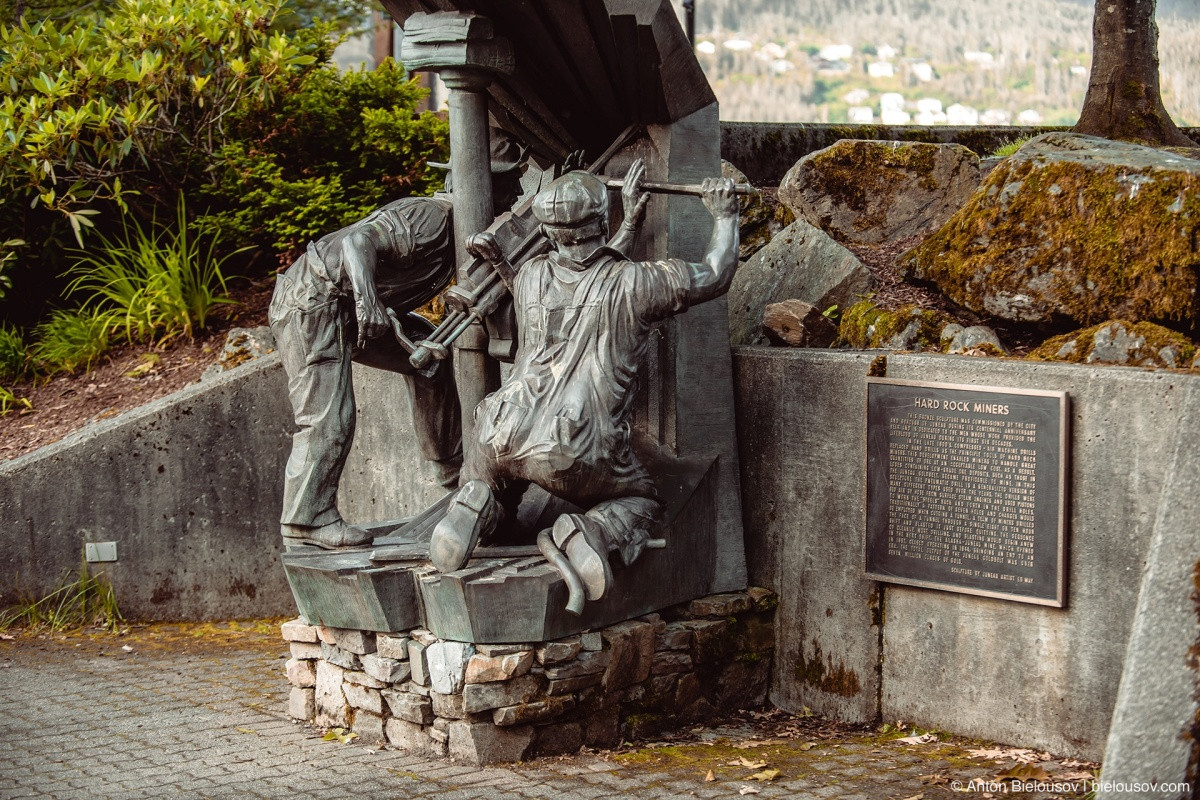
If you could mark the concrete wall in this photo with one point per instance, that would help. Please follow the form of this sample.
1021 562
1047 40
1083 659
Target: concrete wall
190 489
765 151
1002 670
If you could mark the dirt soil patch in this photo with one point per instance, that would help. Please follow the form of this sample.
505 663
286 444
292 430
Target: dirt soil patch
65 403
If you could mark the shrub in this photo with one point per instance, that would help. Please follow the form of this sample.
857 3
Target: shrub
9 401
130 107
330 150
69 340
14 356
154 282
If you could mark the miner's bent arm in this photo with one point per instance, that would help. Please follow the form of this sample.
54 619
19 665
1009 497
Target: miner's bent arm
712 276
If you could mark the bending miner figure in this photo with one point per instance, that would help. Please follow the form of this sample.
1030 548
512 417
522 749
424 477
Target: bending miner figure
330 308
562 418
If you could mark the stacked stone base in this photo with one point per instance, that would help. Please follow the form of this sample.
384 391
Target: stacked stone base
488 703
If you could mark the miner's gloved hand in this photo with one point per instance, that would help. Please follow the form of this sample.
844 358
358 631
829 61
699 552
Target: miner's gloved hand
372 319
633 199
484 246
719 197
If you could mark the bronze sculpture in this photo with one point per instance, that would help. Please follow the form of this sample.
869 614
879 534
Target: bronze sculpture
330 308
562 417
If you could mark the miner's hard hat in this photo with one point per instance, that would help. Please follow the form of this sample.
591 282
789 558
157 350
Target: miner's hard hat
574 199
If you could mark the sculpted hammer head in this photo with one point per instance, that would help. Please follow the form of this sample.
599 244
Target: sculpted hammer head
573 209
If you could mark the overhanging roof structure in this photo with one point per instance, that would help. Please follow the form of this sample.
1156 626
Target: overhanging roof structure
585 69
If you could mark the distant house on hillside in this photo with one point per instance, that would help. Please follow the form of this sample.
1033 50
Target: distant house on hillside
959 114
860 115
881 69
922 71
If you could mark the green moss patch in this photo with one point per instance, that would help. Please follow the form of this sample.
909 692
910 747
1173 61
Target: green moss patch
1154 345
1046 237
865 326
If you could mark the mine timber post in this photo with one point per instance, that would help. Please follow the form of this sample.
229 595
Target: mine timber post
463 50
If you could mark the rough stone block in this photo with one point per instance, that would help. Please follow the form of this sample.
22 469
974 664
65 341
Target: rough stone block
415 688
552 653
676 636
486 669
743 684
391 646
587 663
478 697
527 713
447 662
305 650
302 703
671 661
339 657
438 734
763 599
416 661
603 728
422 636
300 673
592 640
687 691
483 743
408 736
661 689
631 645
501 649
363 697
352 641
558 740
570 685
720 605
298 630
387 670
326 635
332 709
369 728
712 640
407 706
449 706
363 679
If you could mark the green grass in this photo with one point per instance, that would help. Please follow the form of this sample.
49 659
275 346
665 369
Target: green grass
10 402
1009 147
71 340
159 281
79 601
14 356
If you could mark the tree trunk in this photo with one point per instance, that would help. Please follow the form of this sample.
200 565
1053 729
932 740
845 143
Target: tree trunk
1123 98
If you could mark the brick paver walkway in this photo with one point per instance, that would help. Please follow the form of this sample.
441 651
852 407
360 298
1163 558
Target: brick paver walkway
204 718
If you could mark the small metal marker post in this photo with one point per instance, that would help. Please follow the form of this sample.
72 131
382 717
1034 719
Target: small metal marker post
689 16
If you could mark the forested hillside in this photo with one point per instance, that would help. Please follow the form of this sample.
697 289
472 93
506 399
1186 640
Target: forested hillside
955 61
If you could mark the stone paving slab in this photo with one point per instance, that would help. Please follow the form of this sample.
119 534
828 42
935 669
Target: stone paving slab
205 718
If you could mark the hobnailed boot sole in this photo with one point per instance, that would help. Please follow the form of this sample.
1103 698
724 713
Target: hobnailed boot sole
583 543
472 513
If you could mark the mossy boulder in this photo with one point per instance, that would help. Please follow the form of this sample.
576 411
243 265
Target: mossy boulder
800 263
1140 344
1073 226
865 326
870 192
760 215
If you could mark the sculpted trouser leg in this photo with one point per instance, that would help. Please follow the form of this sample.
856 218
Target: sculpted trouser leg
316 358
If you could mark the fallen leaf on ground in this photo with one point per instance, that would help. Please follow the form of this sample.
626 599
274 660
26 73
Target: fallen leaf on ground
248 730
339 735
709 778
920 796
747 790
1070 762
937 779
992 753
765 775
747 763
1075 776
758 743
808 745
1023 772
127 648
924 738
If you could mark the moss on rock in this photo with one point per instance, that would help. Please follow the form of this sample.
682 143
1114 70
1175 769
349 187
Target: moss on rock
1060 230
1120 342
865 326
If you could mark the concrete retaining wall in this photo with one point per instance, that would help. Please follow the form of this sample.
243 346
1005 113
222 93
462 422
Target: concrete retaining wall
189 487
765 151
1040 676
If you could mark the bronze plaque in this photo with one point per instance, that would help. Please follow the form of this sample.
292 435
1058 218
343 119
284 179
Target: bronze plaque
966 489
